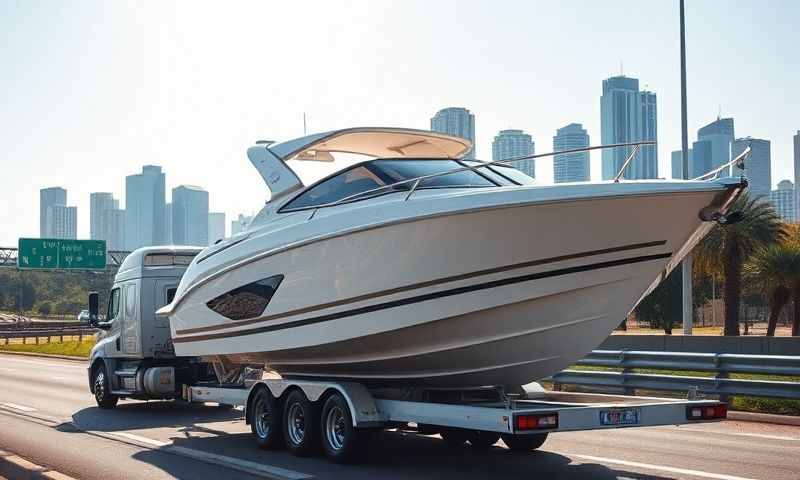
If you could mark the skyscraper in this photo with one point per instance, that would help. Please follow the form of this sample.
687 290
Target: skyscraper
240 224
648 165
168 224
144 208
797 173
718 137
701 160
783 201
456 121
62 222
677 163
216 226
113 228
758 168
515 143
189 215
99 202
628 115
571 167
49 197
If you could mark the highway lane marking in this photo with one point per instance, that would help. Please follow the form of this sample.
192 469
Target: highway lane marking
62 363
29 466
16 406
661 468
139 438
253 468
744 434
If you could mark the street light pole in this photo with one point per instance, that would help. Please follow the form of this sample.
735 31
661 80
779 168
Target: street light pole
686 266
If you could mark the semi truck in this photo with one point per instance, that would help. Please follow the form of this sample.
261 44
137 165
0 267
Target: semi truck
134 358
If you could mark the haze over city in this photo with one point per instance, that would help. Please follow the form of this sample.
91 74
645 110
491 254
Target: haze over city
101 89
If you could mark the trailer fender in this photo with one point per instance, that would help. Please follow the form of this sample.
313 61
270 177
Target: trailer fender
362 406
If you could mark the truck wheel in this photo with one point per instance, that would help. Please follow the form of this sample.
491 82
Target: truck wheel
482 439
300 424
265 420
341 441
454 437
102 390
524 443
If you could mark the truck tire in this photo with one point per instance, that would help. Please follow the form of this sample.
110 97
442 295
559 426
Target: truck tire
482 439
341 441
524 443
300 424
266 420
102 389
454 437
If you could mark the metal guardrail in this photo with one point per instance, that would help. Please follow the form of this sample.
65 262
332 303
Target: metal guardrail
36 333
721 364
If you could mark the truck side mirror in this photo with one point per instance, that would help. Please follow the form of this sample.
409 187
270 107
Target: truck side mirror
94 308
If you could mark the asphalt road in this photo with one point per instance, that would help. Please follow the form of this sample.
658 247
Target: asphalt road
48 416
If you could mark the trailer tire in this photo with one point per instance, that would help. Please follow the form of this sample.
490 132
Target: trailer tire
102 388
266 420
524 443
301 424
341 441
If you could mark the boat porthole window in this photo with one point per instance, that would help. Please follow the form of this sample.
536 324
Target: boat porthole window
247 301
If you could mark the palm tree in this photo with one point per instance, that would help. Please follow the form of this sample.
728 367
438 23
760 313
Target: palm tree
777 270
726 248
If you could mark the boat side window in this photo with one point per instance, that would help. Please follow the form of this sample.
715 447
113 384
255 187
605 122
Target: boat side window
351 182
398 170
113 305
513 174
171 294
490 173
247 301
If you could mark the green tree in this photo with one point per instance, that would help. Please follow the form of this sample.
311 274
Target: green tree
663 306
45 308
776 269
727 247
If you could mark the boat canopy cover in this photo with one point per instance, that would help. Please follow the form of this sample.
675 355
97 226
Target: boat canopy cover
373 141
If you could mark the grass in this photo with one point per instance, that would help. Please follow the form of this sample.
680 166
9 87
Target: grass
781 406
71 348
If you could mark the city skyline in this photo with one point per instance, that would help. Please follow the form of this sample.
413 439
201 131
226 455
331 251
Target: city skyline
174 89
513 143
571 167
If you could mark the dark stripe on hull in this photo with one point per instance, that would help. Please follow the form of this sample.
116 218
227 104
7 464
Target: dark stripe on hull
426 297
430 283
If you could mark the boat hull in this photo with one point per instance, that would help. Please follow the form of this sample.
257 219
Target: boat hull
503 294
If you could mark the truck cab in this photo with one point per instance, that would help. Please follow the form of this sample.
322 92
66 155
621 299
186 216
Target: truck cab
134 355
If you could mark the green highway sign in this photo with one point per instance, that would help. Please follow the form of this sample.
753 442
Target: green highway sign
55 253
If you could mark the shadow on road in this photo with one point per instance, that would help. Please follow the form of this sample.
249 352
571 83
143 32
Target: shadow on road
392 454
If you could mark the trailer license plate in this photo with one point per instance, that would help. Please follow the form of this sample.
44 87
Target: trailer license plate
619 416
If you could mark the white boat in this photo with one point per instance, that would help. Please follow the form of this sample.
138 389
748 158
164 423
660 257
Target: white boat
391 271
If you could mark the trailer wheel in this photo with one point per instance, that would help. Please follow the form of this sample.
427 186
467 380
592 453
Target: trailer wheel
265 420
524 443
102 389
341 441
300 424
482 439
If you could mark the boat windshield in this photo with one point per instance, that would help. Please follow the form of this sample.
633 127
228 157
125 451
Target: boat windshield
368 176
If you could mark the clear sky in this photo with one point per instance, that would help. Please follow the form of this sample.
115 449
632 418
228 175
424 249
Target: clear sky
91 91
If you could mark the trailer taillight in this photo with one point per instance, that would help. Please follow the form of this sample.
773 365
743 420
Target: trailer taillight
536 422
706 412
